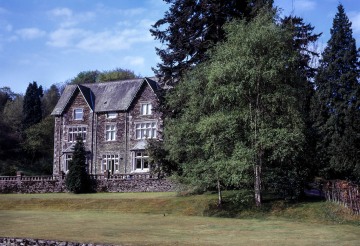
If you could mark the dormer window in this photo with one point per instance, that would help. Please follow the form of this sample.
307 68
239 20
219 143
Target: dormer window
111 115
146 109
78 114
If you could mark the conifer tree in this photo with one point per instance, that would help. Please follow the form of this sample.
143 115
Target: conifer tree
336 104
32 109
191 27
77 180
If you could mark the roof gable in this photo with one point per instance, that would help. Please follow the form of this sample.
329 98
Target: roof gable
105 97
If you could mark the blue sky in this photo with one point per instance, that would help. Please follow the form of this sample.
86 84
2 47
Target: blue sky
51 41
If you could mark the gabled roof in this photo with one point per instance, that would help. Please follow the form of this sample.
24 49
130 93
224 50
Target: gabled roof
105 97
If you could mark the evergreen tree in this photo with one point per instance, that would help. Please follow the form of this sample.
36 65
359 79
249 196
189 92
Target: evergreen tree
336 105
239 112
191 27
77 180
32 109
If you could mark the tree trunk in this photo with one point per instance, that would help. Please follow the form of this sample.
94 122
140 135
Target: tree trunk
257 185
219 194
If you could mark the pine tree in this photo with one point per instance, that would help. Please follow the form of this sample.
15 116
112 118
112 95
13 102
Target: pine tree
77 180
192 27
32 109
336 104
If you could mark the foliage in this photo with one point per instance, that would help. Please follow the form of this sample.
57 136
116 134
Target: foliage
336 103
190 28
6 95
160 165
86 77
38 145
50 99
13 113
90 77
32 111
289 180
77 179
239 113
116 74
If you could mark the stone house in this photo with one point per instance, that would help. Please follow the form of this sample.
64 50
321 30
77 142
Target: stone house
114 119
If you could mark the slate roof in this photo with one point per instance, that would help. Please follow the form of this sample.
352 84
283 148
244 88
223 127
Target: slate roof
105 97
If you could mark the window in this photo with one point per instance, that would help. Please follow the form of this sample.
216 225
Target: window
111 115
68 158
76 131
146 109
78 114
145 130
110 132
110 163
141 162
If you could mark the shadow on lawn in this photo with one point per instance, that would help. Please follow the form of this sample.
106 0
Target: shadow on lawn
240 204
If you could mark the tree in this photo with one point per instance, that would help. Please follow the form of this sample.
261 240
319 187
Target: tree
32 110
89 77
5 95
50 99
190 28
13 113
116 74
77 180
289 180
239 112
86 77
36 144
336 103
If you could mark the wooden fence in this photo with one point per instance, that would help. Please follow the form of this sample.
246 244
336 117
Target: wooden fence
343 192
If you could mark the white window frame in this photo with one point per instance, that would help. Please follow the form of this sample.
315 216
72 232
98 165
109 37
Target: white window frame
75 131
141 161
68 158
111 115
110 132
144 130
146 109
110 162
77 113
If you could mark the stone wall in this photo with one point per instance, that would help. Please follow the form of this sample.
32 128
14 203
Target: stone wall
39 242
101 185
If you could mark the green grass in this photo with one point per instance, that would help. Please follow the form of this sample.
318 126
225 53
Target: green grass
138 219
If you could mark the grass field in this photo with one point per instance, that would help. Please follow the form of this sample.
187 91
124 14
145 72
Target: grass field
138 219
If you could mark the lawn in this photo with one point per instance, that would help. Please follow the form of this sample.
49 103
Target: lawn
166 219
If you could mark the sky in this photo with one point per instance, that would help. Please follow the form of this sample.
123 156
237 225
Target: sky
51 41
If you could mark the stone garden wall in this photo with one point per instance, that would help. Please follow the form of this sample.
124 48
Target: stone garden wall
39 242
49 184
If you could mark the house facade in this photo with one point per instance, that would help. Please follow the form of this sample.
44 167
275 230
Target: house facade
115 119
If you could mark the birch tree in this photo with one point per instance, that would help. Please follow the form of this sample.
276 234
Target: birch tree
240 112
